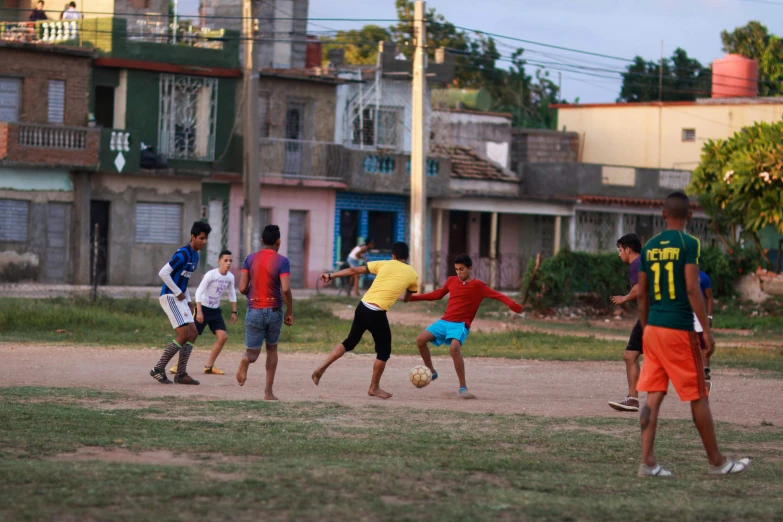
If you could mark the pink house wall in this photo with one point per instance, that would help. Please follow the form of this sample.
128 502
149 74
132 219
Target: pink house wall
320 206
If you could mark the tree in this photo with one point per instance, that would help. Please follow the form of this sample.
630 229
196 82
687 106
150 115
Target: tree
754 41
361 47
739 181
684 79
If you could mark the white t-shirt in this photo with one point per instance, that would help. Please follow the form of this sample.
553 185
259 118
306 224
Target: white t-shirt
212 287
696 324
71 14
355 252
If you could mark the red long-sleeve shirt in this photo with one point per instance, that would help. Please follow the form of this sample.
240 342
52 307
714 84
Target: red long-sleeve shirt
465 299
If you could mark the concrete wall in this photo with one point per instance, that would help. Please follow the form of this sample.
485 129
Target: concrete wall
488 135
26 260
630 134
580 179
319 100
131 263
320 206
398 181
37 67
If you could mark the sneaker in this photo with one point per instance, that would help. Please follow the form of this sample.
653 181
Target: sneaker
214 370
709 387
185 379
627 404
434 375
655 471
732 467
173 369
160 376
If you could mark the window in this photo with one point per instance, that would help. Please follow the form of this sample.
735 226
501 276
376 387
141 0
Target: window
264 100
158 223
688 134
56 101
380 227
365 131
187 117
13 220
104 106
10 98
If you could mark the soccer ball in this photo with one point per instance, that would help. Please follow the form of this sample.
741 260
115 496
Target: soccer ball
420 376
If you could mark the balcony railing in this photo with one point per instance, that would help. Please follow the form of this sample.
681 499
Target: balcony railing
302 159
52 137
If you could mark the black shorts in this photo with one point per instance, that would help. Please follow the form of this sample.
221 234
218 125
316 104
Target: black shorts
635 342
213 317
378 324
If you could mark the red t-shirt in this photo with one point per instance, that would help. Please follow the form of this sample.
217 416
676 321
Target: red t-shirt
465 299
265 268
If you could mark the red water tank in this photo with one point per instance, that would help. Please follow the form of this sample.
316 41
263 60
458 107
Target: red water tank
313 56
735 76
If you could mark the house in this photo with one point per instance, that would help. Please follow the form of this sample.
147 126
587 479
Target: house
668 135
161 119
46 148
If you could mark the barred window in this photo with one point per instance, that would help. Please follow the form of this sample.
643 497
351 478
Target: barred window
187 117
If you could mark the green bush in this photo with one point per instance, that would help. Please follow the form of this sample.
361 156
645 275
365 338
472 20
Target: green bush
715 264
563 278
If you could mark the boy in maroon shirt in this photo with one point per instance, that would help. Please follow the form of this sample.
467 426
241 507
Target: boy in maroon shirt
465 298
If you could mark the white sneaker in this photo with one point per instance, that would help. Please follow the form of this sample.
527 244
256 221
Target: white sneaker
732 467
655 471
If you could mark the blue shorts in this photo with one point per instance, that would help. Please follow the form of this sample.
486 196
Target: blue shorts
445 331
263 324
353 263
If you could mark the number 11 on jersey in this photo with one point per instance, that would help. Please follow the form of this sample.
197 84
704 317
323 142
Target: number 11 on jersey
669 268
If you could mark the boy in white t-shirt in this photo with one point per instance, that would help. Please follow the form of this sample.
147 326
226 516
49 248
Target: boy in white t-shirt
208 312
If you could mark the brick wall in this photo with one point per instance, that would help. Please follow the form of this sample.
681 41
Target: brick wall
365 203
318 98
10 148
38 66
542 146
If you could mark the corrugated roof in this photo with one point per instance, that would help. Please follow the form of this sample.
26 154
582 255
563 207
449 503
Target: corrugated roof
467 164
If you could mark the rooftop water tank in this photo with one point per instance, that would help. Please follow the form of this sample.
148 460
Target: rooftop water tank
735 76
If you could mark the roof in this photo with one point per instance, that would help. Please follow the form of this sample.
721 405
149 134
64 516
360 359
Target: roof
507 115
48 48
315 74
467 164
760 100
627 202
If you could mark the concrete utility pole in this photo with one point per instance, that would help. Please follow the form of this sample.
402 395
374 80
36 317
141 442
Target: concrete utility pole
250 172
419 148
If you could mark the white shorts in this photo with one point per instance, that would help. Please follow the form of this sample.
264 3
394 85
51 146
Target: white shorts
697 325
177 311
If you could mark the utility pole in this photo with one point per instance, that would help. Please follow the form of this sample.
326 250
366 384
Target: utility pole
660 107
250 172
419 147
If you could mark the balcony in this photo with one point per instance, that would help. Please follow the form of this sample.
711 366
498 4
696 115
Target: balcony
304 160
145 38
39 144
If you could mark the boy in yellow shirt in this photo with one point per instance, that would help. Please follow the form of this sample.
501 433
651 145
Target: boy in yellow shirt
393 278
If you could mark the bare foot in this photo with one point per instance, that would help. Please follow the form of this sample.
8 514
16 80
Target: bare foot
242 371
377 392
317 376
269 396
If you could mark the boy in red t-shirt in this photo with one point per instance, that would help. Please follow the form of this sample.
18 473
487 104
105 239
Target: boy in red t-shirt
466 295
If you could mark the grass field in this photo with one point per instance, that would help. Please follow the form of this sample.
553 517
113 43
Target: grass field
322 461
139 323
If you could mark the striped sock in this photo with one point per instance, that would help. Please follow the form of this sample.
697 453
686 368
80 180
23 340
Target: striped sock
184 355
168 354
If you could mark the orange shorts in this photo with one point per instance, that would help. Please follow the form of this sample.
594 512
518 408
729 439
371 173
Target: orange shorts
672 355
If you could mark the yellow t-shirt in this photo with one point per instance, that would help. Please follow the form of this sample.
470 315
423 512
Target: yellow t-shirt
392 279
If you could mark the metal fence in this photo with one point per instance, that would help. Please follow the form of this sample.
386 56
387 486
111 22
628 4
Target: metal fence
508 269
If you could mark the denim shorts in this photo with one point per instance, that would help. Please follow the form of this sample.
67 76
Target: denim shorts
263 324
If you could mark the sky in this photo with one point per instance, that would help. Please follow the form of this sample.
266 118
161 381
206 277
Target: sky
619 28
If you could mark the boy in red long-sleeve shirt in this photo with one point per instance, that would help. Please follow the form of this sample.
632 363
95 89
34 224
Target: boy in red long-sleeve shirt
466 295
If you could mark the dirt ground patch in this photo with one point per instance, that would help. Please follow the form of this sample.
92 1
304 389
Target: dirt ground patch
548 388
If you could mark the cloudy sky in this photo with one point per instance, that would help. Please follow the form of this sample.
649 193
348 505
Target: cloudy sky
619 28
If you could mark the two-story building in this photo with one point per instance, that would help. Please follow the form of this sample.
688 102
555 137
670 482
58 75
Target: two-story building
46 148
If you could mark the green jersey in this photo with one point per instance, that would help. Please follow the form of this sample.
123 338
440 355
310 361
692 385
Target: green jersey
663 260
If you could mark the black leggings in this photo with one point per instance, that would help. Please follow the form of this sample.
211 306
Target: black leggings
378 324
